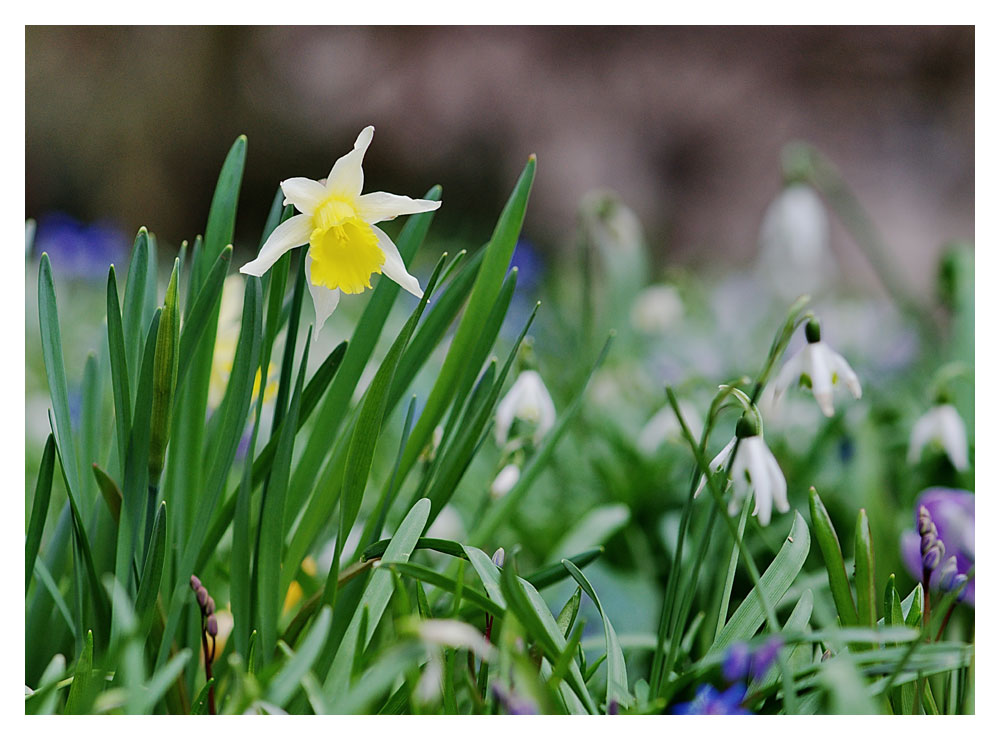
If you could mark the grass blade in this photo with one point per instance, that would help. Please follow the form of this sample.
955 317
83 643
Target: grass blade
750 615
833 558
39 509
617 689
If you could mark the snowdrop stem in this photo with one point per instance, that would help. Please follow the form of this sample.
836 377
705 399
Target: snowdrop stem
770 614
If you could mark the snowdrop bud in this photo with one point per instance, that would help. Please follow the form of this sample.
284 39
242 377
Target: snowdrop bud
211 626
498 557
505 480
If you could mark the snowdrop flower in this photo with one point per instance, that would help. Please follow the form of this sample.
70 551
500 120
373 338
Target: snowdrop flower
942 426
818 367
505 480
656 309
441 633
664 425
794 243
529 401
338 224
754 467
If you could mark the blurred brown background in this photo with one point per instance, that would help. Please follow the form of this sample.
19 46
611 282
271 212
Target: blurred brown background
686 124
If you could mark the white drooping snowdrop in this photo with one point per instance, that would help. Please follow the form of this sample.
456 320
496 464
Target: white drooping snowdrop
794 243
943 426
338 224
819 368
754 469
528 401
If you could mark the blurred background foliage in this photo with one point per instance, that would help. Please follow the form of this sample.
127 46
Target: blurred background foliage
685 124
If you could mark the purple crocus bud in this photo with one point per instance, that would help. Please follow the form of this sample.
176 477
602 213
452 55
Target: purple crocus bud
211 626
202 595
195 582
766 655
953 514
736 662
498 557
931 559
925 525
948 573
210 606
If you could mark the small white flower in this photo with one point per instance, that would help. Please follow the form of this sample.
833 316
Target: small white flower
756 468
439 633
794 243
664 425
656 309
505 480
818 367
528 401
455 634
338 224
941 425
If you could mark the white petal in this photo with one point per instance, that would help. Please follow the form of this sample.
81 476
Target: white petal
717 463
505 480
542 402
289 234
505 414
456 634
379 206
394 269
952 436
779 487
845 373
923 432
325 300
760 478
790 373
303 193
821 377
346 176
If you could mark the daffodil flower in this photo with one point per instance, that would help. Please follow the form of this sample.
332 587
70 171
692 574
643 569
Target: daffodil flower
753 468
943 426
338 224
819 368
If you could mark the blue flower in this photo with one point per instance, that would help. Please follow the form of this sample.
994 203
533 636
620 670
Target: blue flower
739 661
709 700
80 250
